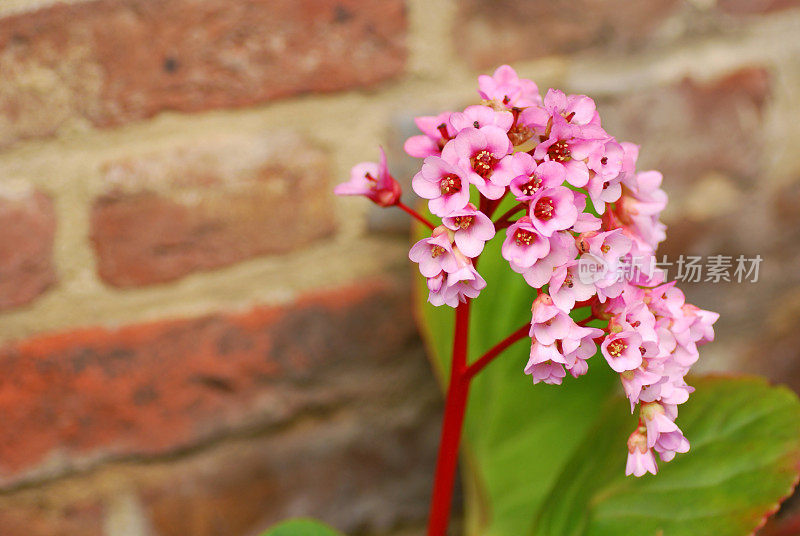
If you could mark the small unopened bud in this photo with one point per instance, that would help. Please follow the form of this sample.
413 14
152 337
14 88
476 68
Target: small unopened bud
390 195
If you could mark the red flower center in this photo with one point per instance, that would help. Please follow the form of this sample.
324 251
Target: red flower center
483 162
616 348
530 187
544 209
450 184
464 221
559 151
524 238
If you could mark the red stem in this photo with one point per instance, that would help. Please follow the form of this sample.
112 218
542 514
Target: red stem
454 409
502 220
414 214
585 303
496 350
492 206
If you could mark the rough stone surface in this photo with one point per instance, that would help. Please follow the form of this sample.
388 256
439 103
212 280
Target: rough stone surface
108 62
208 205
27 228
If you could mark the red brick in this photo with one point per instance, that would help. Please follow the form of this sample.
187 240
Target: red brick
28 224
491 32
115 61
750 7
364 471
363 464
78 397
695 127
208 205
32 519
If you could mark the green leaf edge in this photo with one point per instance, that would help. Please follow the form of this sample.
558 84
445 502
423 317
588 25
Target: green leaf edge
301 526
719 376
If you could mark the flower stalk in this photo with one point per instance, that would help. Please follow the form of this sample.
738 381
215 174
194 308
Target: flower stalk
452 427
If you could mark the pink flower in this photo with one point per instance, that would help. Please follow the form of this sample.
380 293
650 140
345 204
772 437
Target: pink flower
639 207
668 392
638 317
570 146
671 443
524 245
562 250
667 300
566 286
554 157
640 458
575 109
543 353
549 323
601 261
443 183
630 154
602 192
657 423
472 229
606 160
436 131
373 181
621 350
633 381
530 178
547 372
434 254
579 348
531 121
701 328
553 209
481 154
479 116
509 89
457 286
557 338
586 222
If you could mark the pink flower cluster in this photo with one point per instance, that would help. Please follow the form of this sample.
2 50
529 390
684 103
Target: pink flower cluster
581 217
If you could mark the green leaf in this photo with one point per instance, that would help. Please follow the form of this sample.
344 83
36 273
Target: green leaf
301 527
551 459
743 461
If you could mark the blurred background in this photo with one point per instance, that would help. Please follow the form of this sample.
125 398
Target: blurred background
197 338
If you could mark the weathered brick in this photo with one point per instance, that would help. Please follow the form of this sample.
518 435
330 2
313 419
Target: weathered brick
74 398
109 62
750 7
364 472
43 519
209 204
491 32
690 129
28 224
364 465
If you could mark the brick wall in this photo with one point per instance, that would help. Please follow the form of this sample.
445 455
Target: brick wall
197 338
